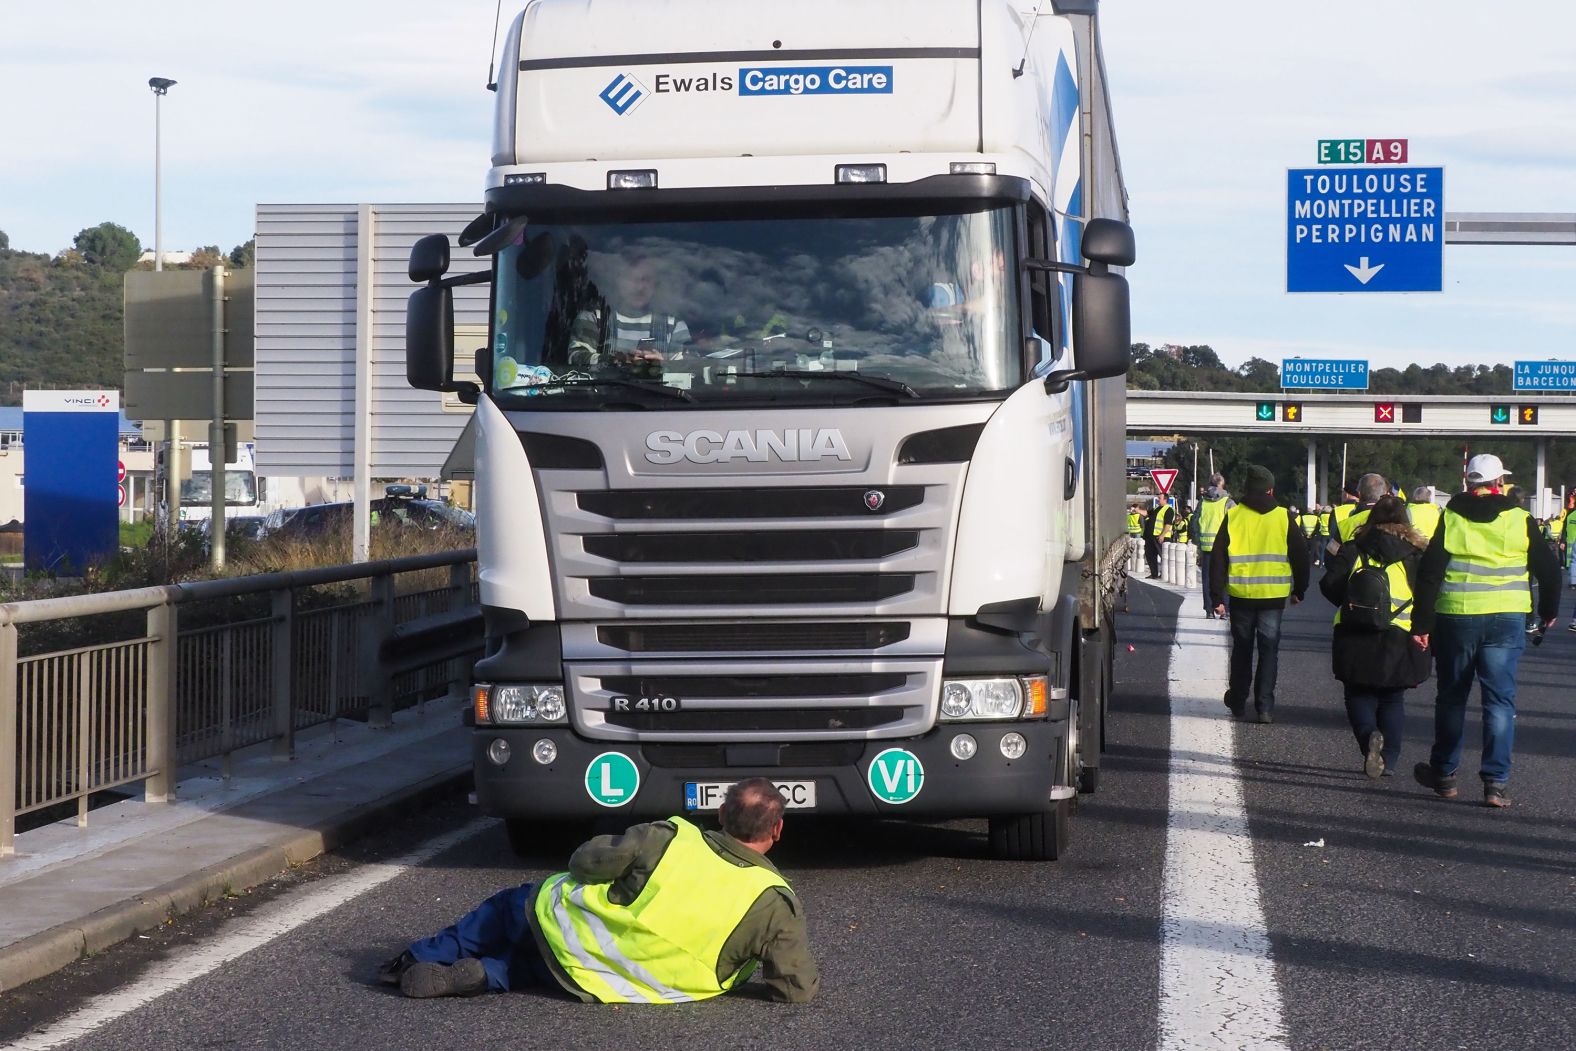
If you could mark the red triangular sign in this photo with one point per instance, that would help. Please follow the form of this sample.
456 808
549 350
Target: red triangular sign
1163 477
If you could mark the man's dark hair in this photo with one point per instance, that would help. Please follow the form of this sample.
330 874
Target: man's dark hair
751 808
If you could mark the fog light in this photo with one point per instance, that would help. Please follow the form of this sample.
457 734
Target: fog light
964 747
544 751
498 751
955 700
1013 745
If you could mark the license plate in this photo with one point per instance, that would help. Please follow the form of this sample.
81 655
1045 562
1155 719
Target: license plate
708 795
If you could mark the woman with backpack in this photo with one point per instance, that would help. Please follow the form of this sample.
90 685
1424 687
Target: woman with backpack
1371 582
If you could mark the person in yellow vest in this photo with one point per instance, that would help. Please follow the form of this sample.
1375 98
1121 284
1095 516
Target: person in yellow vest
1135 522
1567 534
1157 530
1207 520
1373 653
1309 522
663 914
1474 593
1423 512
1370 488
1260 559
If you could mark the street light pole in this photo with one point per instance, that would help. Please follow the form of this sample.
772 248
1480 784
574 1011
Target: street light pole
172 435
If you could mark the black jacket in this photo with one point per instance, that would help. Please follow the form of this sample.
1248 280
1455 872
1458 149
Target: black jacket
1388 659
1296 552
1485 507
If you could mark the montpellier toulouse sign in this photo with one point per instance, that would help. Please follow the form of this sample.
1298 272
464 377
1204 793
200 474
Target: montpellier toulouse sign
1365 229
1320 374
1545 375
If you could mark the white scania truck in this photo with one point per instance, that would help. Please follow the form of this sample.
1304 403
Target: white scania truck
800 428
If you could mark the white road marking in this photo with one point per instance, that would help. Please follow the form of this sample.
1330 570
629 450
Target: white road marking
289 912
1217 983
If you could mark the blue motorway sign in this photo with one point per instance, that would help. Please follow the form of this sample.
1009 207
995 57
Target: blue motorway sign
1323 374
1365 229
1545 375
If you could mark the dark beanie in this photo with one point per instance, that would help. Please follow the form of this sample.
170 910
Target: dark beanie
1257 481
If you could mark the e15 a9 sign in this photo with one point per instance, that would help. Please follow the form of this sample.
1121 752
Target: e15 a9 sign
1362 151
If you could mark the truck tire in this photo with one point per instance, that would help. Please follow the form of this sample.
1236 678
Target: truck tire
1033 837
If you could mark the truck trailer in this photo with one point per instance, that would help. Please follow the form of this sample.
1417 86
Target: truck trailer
799 430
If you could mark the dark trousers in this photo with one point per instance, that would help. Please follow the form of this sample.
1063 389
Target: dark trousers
497 933
1152 555
1253 629
1210 600
1371 708
1315 550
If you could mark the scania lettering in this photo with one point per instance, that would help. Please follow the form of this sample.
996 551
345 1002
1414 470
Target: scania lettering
799 429
790 446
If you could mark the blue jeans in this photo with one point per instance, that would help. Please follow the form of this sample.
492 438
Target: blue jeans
1254 629
1370 708
497 933
1487 646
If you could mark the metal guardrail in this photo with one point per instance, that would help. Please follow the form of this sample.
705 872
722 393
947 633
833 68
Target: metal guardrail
272 655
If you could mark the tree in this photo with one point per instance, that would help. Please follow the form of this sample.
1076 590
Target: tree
206 258
109 247
243 256
5 241
1262 376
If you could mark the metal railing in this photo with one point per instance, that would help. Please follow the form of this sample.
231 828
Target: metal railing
216 666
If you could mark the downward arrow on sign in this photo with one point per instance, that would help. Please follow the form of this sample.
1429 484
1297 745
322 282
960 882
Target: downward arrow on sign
1364 273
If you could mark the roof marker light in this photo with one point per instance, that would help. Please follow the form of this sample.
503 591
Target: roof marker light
632 180
973 168
524 178
847 173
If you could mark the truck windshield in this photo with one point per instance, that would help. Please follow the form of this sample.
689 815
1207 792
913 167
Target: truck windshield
240 488
769 309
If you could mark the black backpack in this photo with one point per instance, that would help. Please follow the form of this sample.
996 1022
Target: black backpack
1368 604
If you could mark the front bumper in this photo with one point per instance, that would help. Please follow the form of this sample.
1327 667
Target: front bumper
988 784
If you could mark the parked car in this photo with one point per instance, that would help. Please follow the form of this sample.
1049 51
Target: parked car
319 520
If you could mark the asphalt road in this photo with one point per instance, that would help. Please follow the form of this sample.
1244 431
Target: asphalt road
1419 923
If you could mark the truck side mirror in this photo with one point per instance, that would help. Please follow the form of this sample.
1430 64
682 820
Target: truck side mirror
1102 324
1109 241
429 338
429 258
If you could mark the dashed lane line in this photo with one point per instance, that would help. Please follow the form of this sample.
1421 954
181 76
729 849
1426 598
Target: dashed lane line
299 907
1217 982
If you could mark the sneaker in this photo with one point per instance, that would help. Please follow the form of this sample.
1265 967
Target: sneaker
1442 785
1572 626
426 980
1494 795
1373 761
389 973
1263 717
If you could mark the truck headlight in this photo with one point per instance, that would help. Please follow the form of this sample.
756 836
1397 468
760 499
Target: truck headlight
967 699
525 703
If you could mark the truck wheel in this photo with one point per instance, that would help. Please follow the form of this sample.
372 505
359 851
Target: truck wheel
1033 837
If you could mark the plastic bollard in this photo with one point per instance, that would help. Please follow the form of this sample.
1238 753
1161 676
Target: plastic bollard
1192 567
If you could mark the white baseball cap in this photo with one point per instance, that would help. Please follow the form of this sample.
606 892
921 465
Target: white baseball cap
1485 467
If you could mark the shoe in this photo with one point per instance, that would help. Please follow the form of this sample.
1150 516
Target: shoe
1443 786
389 973
1263 717
423 981
1494 795
1236 710
1572 626
1373 762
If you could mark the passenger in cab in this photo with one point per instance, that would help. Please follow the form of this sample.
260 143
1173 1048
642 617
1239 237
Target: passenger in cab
1372 581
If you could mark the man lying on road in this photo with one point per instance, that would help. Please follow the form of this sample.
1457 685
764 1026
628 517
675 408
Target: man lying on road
664 913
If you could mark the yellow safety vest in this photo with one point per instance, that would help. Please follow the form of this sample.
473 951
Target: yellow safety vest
1164 515
1324 523
1487 571
1210 514
661 948
1258 565
1425 517
1349 525
1309 523
1342 513
1135 523
1400 591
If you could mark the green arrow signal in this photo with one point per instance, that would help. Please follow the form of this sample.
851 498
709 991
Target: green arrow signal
1266 410
1501 414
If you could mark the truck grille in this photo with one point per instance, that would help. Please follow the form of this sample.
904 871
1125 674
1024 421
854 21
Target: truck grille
752 637
751 589
802 754
769 719
838 545
777 502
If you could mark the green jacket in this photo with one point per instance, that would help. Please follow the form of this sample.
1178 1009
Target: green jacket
773 931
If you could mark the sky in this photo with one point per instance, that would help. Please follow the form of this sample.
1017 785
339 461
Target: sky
353 101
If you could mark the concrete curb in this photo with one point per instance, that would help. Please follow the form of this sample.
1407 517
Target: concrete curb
49 951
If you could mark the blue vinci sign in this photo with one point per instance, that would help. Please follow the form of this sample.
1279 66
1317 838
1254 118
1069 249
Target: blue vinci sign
1545 375
71 439
1365 229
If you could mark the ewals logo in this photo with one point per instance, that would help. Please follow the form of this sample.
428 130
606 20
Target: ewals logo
623 93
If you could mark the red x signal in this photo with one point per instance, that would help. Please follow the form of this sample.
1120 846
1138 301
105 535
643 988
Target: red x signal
1384 412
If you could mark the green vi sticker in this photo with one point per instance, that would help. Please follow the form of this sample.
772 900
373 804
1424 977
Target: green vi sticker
612 779
896 776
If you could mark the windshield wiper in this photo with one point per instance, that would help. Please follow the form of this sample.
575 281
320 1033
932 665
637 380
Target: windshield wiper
880 382
608 381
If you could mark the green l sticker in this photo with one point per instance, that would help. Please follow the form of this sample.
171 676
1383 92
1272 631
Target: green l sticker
896 776
612 779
